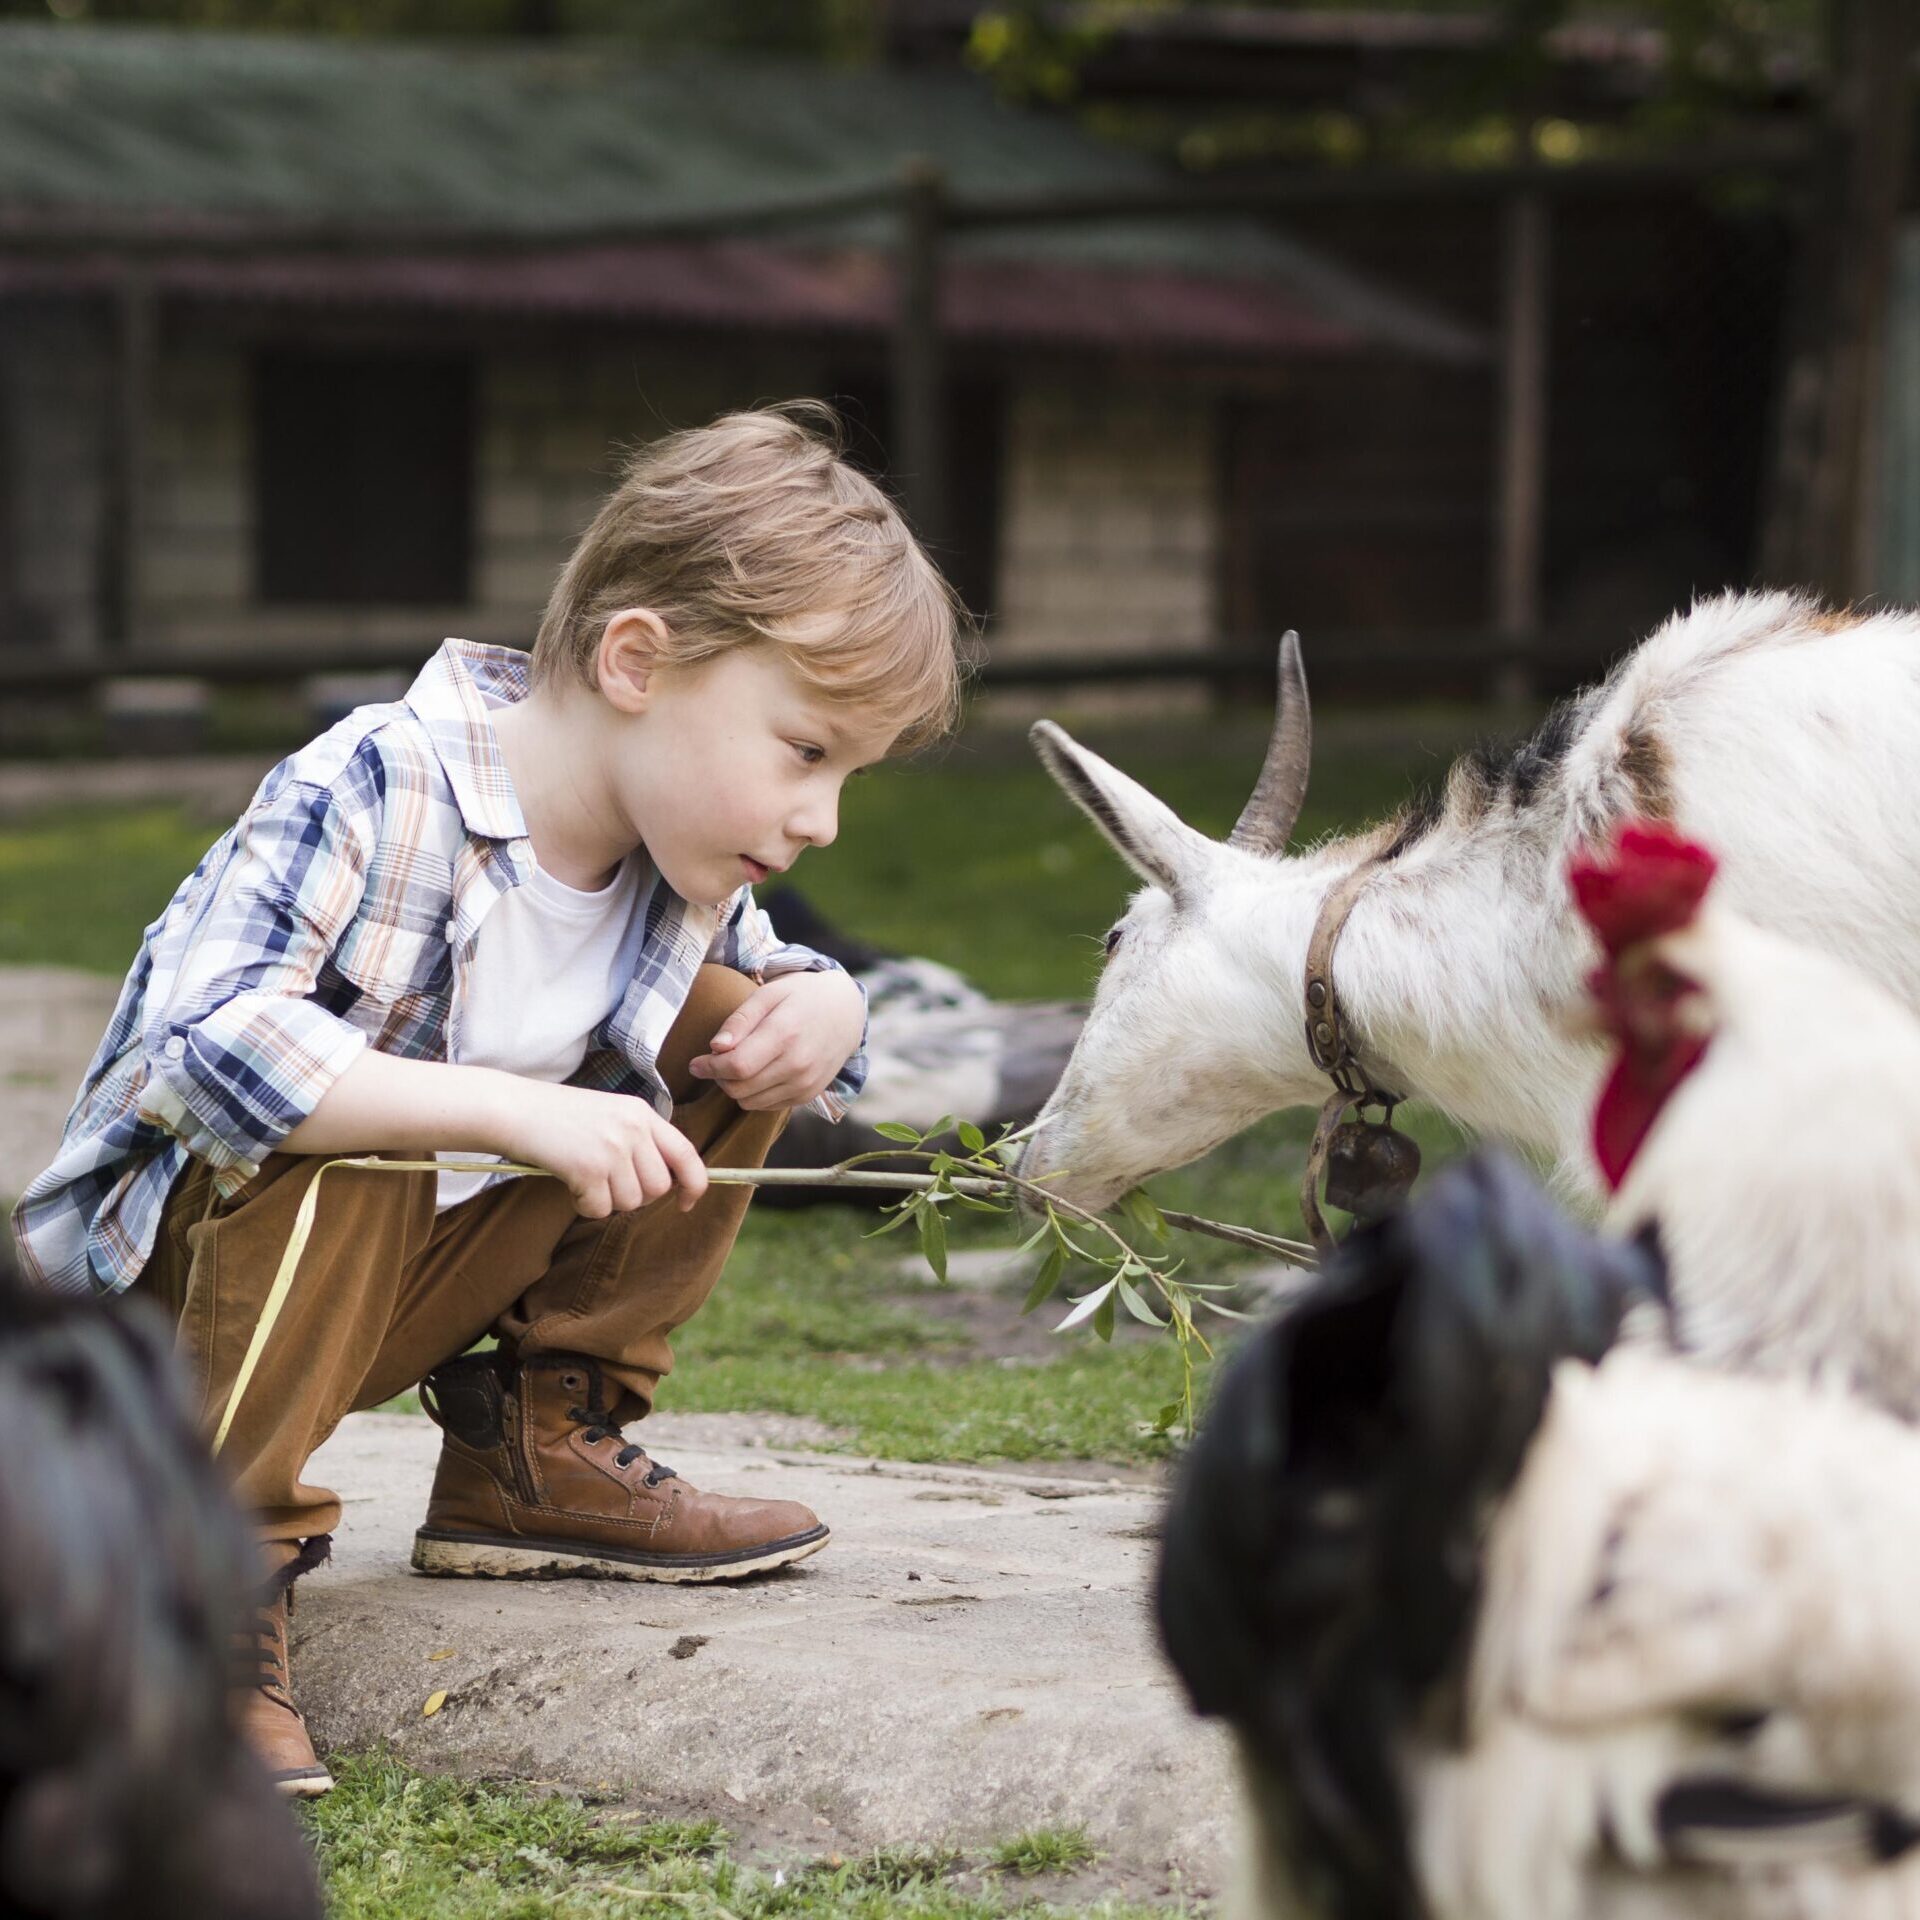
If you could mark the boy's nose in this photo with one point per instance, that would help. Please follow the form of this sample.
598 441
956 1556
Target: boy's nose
818 826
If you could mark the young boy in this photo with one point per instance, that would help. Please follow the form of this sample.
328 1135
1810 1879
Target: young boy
512 915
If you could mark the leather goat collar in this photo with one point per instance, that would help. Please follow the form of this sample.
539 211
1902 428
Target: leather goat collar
1392 1158
1329 1042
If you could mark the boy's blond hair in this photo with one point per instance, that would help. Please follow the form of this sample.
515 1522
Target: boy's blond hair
756 530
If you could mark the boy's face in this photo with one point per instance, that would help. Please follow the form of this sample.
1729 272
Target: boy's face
731 769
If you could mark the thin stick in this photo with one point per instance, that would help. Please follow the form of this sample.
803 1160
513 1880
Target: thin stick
854 1177
1296 1251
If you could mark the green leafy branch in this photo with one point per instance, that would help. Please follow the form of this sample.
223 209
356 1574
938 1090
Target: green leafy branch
1131 1268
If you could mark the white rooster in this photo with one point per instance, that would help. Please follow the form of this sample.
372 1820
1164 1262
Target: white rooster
1512 1626
1763 1116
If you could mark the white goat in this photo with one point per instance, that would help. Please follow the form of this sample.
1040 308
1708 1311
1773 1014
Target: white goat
1783 737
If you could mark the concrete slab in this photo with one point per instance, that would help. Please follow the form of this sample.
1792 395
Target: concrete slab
972 1656
51 1019
211 786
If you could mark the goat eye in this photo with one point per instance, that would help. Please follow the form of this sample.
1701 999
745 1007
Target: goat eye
1113 938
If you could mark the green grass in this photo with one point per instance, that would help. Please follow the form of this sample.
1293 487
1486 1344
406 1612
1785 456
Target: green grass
976 859
76 891
398 1845
1045 1850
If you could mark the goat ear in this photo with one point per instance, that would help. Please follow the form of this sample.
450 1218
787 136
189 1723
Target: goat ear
1146 833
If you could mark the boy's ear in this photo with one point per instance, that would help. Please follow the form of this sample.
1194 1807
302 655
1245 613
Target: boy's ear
630 648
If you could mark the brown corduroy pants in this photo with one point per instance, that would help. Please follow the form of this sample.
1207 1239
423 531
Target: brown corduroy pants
387 1289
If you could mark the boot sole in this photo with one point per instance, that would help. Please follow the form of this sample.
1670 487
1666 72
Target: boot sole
303 1786
470 1557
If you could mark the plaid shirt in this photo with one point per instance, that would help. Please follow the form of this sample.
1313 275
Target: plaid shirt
341 913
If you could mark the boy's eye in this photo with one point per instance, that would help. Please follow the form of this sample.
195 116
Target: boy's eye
812 755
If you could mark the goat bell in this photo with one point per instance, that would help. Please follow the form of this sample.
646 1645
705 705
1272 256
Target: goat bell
1370 1168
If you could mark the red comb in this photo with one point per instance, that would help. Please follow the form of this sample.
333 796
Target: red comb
1651 881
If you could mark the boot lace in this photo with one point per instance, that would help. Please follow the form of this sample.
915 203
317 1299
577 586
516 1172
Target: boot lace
601 1425
255 1654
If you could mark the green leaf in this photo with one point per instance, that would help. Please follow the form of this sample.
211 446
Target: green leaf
1168 1417
898 1130
897 1216
1103 1319
933 1240
971 1137
1086 1307
1046 1279
943 1163
1135 1305
1033 1239
1230 1313
1137 1205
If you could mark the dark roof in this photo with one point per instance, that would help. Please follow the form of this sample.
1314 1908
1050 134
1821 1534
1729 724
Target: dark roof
180 137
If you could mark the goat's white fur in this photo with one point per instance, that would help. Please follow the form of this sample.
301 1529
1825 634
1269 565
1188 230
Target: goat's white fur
1787 744
1680 1546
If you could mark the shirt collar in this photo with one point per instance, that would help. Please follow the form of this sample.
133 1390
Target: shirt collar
450 698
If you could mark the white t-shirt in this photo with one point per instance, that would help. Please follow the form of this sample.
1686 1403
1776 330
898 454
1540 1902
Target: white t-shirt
549 965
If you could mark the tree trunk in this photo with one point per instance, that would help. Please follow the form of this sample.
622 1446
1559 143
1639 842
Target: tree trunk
1823 514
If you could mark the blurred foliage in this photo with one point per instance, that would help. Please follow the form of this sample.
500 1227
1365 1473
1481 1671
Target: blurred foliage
1487 106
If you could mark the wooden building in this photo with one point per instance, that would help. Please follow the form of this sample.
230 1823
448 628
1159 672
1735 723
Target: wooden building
316 351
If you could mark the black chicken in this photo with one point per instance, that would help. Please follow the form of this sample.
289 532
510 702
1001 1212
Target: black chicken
1322 1555
1518 1620
124 1576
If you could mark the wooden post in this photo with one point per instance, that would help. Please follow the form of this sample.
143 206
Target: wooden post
122 520
13 612
1823 517
1521 482
919 358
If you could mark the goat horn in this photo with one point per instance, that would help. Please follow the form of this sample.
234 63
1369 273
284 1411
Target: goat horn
1268 818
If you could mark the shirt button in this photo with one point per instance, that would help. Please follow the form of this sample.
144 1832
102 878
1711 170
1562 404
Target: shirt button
176 1048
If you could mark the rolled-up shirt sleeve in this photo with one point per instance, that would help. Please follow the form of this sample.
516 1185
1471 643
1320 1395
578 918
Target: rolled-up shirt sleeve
745 941
237 1051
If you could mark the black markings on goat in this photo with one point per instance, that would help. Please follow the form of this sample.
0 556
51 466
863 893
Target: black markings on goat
1493 771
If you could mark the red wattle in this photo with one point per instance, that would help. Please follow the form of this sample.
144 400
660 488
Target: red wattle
1630 1103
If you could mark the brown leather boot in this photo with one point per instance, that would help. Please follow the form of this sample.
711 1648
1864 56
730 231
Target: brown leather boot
262 1704
536 1480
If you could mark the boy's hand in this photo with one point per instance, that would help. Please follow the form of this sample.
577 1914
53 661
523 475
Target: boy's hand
787 1041
612 1150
